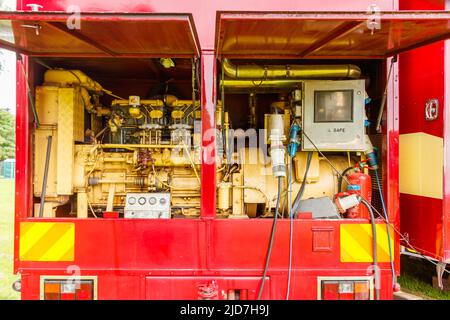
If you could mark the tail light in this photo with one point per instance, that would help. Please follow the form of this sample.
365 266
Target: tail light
362 290
65 289
345 290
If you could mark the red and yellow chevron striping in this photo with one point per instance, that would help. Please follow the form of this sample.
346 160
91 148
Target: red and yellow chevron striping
47 241
356 243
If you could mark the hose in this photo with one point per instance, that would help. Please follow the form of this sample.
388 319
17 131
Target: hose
374 241
343 175
272 237
298 199
388 229
291 230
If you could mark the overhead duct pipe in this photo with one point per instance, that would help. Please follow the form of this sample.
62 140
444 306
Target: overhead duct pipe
290 71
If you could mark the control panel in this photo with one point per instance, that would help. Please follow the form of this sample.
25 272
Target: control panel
147 205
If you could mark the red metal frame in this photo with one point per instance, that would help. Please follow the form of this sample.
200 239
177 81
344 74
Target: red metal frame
135 252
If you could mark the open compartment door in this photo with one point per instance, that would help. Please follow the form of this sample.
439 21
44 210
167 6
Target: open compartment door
316 35
99 34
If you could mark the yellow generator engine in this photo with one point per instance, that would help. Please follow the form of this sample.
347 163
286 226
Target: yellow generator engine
152 148
140 158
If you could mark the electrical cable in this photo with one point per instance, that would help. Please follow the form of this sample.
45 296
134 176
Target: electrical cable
388 229
272 237
291 229
293 208
374 248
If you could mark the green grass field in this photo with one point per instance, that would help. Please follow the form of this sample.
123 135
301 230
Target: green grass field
6 240
421 288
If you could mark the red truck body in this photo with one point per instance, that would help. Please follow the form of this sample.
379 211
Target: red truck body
169 259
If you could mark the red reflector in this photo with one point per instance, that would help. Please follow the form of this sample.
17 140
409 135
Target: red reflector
85 291
67 296
330 290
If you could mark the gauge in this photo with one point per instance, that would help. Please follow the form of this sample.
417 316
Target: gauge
141 201
152 200
131 200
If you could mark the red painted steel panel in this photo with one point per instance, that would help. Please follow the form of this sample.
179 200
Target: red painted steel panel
204 12
164 288
135 249
422 223
152 34
390 178
139 286
422 77
23 196
329 34
208 173
446 113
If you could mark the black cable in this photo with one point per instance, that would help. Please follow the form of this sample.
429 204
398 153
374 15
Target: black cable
374 242
388 229
298 198
342 175
272 237
291 232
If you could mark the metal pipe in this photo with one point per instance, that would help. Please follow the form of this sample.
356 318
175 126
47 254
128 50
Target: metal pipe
290 71
133 146
152 103
383 99
262 85
44 180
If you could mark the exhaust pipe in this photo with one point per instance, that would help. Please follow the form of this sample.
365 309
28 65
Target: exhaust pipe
290 71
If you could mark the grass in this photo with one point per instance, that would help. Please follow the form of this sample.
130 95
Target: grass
421 288
6 240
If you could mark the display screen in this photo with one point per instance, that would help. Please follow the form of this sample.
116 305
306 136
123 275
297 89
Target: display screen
333 106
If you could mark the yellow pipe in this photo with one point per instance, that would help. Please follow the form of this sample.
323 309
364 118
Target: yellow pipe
290 71
132 146
263 84
67 77
152 103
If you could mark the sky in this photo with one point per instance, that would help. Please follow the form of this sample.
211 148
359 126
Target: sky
8 80
7 70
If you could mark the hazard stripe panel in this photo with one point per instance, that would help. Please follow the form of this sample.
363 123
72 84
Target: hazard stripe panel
357 245
47 241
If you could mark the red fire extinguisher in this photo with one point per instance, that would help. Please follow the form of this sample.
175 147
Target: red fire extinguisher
361 184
